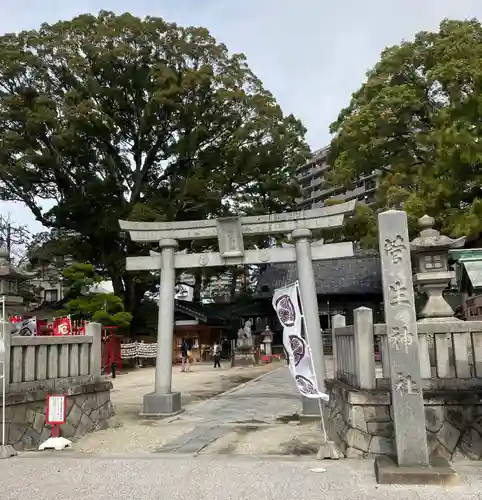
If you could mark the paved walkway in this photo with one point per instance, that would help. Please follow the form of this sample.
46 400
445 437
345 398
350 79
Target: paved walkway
202 382
157 476
260 402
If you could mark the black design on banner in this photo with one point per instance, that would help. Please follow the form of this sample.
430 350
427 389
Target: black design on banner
285 311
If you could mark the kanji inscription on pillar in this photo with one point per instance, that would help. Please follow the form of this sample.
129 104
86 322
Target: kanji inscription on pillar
404 361
395 248
405 385
400 337
230 237
398 294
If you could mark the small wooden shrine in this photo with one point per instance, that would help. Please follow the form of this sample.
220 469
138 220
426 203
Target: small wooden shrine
195 325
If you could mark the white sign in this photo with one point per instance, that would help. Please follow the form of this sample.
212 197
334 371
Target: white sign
184 292
56 409
28 327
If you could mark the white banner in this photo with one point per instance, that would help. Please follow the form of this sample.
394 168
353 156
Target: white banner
287 307
138 350
28 327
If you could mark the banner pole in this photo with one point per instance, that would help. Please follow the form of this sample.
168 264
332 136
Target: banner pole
4 383
320 404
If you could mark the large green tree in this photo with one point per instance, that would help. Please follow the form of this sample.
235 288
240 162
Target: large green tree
82 302
114 117
417 120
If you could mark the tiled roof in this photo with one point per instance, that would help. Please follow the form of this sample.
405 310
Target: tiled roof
357 275
10 271
191 309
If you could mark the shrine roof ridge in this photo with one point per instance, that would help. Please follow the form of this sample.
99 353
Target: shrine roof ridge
357 275
339 209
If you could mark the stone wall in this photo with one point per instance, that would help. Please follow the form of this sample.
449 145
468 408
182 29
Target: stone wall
360 422
88 409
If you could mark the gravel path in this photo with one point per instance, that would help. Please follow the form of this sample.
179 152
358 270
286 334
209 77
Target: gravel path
63 477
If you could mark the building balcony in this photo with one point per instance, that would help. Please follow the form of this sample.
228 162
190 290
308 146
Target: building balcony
317 181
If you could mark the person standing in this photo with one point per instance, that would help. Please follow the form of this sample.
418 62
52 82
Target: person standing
184 356
217 355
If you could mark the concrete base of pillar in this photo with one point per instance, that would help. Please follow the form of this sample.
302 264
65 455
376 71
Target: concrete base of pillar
7 451
310 407
161 405
439 473
329 451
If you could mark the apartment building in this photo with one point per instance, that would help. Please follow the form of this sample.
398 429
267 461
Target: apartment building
315 188
217 288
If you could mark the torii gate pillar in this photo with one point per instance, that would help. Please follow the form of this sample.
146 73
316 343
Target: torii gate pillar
306 279
163 401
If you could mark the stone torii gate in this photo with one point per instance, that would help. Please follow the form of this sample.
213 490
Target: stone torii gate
229 232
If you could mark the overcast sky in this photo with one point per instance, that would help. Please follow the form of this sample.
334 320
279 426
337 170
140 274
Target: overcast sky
312 54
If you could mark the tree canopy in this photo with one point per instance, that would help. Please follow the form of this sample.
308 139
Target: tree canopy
114 117
417 120
83 302
360 228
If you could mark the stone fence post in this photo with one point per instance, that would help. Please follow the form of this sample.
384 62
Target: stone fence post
95 331
364 350
337 321
5 332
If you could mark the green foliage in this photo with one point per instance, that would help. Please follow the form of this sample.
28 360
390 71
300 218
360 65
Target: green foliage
78 278
28 292
105 308
115 117
51 248
361 227
417 120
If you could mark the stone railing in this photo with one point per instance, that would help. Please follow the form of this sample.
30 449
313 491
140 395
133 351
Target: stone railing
344 340
450 352
352 345
360 409
46 363
38 366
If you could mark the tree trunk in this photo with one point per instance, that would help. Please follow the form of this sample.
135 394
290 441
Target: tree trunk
125 286
198 285
234 282
117 284
133 297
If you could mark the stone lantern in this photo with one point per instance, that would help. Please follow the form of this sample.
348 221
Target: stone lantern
10 278
432 275
267 341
